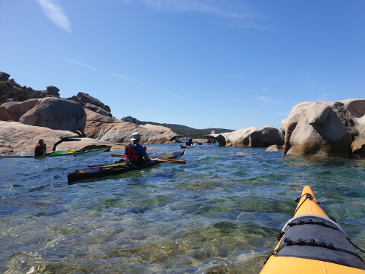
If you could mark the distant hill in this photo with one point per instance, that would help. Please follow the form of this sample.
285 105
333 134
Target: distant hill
185 131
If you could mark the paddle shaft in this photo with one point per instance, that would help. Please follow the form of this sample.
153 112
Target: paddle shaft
117 155
169 161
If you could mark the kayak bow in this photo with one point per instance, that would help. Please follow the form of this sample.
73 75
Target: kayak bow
311 242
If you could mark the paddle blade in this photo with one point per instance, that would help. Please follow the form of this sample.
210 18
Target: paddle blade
118 155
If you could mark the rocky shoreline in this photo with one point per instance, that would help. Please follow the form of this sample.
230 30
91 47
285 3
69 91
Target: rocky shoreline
312 128
330 129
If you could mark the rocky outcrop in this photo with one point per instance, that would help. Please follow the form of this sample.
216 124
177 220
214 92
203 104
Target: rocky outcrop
19 139
89 102
53 91
325 128
132 120
97 109
85 98
113 130
61 114
251 137
13 91
96 122
4 76
122 133
70 114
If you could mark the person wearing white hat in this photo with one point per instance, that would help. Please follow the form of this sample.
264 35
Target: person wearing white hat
135 154
40 149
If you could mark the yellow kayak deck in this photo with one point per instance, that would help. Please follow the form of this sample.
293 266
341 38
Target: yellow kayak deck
313 243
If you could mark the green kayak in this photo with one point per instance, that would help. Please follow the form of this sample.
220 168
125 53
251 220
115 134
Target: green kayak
86 151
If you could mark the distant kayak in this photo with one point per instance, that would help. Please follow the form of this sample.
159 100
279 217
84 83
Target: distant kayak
183 146
97 171
312 243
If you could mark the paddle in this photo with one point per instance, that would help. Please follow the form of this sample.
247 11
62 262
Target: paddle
169 161
64 139
89 147
158 159
117 155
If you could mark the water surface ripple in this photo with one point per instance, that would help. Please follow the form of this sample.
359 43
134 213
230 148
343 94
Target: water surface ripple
220 212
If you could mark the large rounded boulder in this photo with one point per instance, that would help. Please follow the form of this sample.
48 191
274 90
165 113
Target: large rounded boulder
17 109
252 137
5 115
57 114
325 128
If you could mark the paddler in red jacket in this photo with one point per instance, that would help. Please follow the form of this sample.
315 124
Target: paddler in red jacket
40 149
135 153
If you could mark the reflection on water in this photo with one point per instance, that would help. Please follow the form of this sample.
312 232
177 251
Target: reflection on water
219 213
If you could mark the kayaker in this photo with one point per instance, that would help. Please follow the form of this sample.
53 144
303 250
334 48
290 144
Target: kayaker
189 142
41 148
135 154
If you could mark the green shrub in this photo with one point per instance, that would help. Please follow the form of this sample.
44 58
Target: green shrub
9 91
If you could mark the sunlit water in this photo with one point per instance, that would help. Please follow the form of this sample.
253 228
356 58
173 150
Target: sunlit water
220 212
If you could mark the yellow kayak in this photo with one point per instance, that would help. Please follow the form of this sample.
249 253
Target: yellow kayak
312 243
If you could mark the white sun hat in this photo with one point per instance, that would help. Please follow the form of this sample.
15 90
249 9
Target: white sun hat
135 136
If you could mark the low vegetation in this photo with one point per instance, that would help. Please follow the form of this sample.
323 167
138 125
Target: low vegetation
9 90
185 131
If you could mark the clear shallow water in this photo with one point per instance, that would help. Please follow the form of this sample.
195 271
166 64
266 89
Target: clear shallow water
219 212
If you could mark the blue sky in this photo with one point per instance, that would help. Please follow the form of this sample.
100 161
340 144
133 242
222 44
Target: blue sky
201 63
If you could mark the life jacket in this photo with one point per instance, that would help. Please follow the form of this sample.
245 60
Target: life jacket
131 155
38 150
